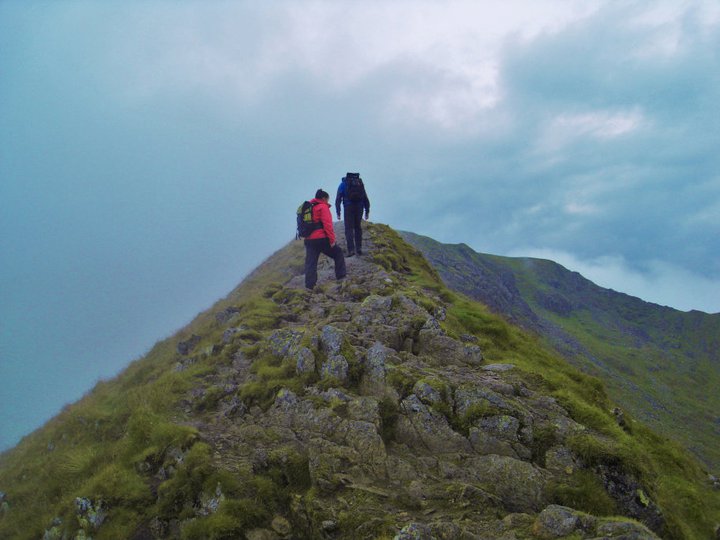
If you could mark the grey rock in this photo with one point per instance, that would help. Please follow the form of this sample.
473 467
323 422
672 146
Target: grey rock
366 409
625 530
468 495
484 443
286 399
415 531
468 396
365 439
226 314
519 484
555 522
281 525
328 464
425 429
334 394
90 514
498 368
210 502
426 393
186 347
376 303
472 355
230 332
375 366
433 342
284 342
504 427
335 366
331 340
54 532
304 361
560 460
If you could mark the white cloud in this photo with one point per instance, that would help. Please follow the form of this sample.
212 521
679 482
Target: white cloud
661 283
237 51
602 125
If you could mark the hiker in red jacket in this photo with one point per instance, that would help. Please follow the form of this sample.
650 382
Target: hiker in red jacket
322 240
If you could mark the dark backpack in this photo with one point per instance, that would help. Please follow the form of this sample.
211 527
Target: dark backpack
354 188
305 224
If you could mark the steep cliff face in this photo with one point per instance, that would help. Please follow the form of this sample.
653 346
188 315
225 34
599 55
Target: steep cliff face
381 406
660 363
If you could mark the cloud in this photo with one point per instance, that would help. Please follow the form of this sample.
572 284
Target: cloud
154 152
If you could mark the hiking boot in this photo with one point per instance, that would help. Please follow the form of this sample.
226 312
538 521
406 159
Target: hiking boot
350 254
359 252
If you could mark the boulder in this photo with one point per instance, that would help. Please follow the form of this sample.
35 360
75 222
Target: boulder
365 439
469 397
484 443
226 314
304 361
498 368
330 464
560 460
504 427
90 514
425 429
519 484
377 304
415 531
427 393
335 366
284 342
185 347
555 522
366 409
433 342
281 526
331 340
377 358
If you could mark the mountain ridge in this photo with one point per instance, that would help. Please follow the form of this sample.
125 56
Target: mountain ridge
644 351
382 406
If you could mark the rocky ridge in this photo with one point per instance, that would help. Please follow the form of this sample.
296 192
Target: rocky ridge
406 432
356 413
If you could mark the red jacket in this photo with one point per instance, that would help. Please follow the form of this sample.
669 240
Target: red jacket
321 214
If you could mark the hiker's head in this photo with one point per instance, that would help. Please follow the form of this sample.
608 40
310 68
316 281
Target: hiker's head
322 195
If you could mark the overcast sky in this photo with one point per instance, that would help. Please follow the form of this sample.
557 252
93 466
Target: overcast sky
153 153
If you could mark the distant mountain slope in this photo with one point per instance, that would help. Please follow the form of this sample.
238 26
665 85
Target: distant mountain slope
384 406
661 364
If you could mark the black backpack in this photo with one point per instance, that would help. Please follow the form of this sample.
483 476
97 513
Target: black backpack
305 224
354 188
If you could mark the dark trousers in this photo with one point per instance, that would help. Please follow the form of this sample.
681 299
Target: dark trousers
313 249
353 227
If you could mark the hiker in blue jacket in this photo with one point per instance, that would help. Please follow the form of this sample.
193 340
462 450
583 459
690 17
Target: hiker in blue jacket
354 200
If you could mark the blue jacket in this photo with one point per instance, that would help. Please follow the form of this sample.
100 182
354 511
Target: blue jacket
341 198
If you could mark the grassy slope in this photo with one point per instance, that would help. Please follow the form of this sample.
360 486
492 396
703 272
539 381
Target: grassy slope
660 363
97 447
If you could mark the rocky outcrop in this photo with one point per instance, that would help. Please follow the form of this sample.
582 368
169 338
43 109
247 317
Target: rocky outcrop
363 411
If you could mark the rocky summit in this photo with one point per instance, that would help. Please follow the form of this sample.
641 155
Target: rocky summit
379 406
